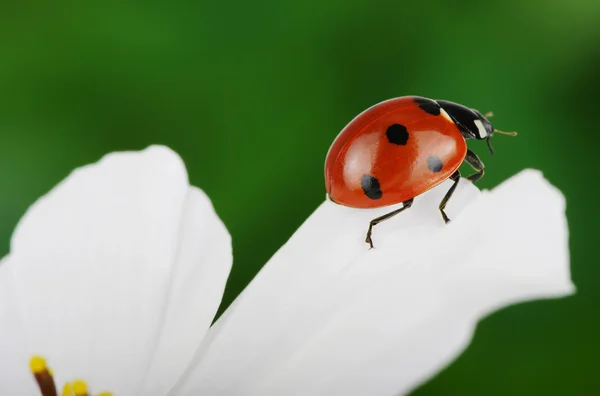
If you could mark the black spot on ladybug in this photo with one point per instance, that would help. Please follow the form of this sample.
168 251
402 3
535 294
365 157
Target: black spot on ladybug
434 163
397 134
427 105
371 187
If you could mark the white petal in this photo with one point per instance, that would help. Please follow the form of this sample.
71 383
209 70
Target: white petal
102 260
327 316
15 375
203 265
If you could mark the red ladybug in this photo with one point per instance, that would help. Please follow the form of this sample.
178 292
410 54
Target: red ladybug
400 148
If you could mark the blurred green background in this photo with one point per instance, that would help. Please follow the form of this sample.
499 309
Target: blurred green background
251 94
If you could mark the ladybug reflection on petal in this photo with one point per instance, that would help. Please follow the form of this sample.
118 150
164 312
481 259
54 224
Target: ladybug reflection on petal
400 148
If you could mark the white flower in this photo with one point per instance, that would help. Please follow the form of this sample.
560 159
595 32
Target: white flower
116 274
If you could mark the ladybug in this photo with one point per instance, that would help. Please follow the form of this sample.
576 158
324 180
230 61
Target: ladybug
400 148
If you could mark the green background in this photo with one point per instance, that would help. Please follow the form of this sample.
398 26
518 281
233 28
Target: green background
251 94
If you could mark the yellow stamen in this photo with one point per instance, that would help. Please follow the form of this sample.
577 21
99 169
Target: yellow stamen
43 375
67 390
80 388
37 364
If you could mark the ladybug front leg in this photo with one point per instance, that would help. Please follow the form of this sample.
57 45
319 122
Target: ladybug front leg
455 178
473 160
374 222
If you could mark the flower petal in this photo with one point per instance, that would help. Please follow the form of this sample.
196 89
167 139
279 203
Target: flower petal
201 271
327 316
99 262
15 375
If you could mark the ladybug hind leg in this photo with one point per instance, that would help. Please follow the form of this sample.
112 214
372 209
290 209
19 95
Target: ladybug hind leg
473 160
374 222
455 178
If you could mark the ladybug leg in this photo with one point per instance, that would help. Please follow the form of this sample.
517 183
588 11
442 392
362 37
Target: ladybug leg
473 160
374 222
455 178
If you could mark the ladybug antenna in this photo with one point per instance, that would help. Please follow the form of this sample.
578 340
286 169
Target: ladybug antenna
489 138
489 144
488 114
505 133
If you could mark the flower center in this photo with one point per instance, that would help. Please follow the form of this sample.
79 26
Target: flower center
45 381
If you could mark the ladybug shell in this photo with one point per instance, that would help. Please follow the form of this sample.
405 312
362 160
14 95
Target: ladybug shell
392 152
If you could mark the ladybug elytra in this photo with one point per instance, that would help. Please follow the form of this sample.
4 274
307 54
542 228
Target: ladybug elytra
400 148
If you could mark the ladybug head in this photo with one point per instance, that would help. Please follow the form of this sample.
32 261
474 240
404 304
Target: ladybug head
472 124
485 130
483 127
